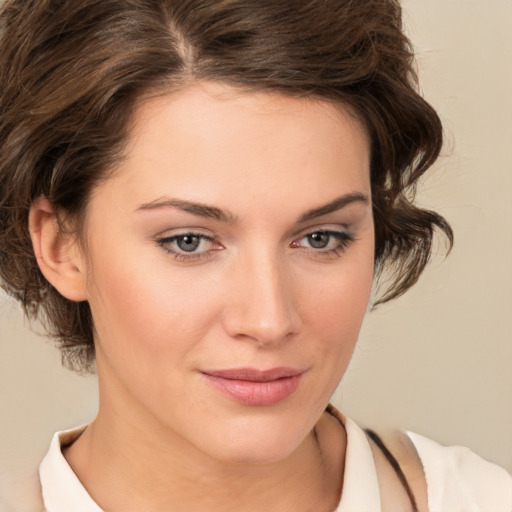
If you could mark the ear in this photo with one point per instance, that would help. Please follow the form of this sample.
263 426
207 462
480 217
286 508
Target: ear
58 254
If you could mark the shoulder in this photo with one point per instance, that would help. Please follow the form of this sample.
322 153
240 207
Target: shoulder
440 478
457 479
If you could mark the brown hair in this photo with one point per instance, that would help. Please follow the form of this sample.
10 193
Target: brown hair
71 72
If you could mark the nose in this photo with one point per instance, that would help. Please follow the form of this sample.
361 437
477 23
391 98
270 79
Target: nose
261 301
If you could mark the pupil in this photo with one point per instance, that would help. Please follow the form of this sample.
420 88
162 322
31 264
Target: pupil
188 243
318 240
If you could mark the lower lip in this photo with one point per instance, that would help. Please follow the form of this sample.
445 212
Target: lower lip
256 393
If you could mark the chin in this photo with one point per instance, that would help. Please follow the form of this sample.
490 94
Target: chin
257 453
257 441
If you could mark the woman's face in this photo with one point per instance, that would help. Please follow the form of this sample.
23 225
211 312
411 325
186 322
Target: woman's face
229 264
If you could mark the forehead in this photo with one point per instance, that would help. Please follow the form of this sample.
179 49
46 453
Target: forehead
203 104
211 142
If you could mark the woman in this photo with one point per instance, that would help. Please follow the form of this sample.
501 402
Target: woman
196 197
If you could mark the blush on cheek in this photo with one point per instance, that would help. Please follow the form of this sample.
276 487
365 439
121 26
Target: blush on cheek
342 308
345 299
148 308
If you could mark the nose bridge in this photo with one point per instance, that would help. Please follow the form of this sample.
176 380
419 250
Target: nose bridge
262 305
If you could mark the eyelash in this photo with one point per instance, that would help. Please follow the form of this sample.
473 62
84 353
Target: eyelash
343 240
166 242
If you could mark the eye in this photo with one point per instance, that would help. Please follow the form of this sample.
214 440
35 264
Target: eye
330 242
319 240
189 246
188 243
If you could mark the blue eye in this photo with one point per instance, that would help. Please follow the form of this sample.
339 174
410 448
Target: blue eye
188 246
188 243
325 241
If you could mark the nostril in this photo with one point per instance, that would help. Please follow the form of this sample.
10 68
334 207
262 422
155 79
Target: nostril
261 304
264 324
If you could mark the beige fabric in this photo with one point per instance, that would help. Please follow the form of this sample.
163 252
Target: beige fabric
458 479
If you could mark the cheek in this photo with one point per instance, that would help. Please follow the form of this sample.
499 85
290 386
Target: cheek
143 310
337 307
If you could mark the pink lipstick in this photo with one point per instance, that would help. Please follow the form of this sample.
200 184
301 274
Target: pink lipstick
256 387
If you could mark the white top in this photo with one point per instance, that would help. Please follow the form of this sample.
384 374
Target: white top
61 488
457 479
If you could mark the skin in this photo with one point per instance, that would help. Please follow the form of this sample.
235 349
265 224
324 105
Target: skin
255 293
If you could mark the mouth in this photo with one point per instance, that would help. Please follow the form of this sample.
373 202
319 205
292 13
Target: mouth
254 387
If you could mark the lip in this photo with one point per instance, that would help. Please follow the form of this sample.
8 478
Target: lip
255 387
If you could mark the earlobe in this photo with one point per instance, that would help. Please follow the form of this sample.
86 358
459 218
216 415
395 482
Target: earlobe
57 253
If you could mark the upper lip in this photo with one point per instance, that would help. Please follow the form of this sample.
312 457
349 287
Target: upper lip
255 375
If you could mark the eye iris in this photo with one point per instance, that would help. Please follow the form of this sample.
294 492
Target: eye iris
188 243
318 240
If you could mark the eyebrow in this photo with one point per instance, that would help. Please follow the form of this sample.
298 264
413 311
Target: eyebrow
202 210
336 204
212 212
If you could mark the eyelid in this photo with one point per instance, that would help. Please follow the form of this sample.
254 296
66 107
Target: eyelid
323 228
167 239
343 237
188 230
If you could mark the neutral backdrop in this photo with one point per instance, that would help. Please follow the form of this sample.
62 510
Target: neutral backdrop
438 360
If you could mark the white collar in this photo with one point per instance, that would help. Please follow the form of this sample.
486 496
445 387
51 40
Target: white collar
360 490
61 488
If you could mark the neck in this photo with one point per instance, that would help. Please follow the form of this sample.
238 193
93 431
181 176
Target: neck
128 465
